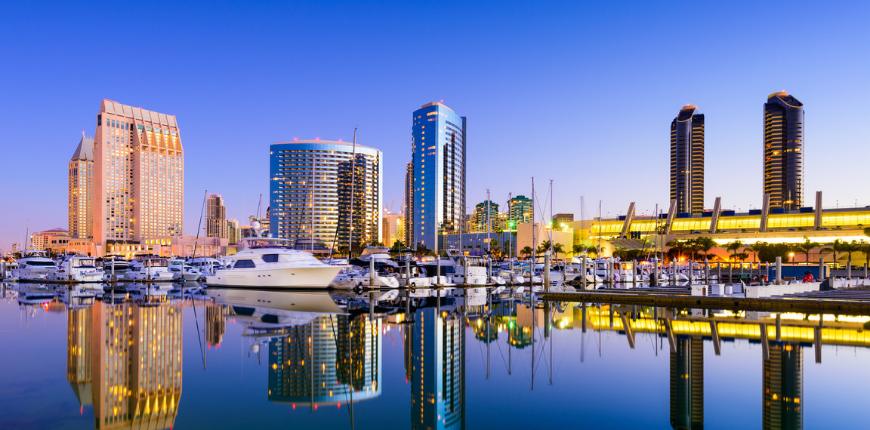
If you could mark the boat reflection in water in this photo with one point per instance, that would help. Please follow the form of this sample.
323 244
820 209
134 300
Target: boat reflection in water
125 360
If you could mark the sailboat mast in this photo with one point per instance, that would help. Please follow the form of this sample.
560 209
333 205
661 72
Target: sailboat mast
553 226
534 242
352 183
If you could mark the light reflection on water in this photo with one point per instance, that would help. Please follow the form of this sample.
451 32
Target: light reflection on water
171 357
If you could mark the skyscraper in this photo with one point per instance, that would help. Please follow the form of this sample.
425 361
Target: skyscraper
438 139
409 205
479 217
687 161
138 176
311 187
215 217
520 210
783 151
233 232
81 190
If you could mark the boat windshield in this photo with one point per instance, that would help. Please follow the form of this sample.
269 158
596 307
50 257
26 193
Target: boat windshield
39 263
83 262
371 250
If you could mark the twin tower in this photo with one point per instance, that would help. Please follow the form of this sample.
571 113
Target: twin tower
783 155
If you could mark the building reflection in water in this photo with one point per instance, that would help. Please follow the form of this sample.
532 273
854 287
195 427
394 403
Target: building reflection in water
438 372
126 361
331 360
783 387
687 383
216 323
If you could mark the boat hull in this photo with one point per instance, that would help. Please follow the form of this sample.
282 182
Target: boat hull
291 277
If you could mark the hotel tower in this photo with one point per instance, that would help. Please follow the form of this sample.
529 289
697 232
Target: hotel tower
138 176
215 217
438 157
687 161
81 190
311 186
783 151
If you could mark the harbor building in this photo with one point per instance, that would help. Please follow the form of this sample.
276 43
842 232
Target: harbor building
81 190
438 143
479 217
215 217
311 186
687 160
138 176
783 151
54 240
520 210
326 362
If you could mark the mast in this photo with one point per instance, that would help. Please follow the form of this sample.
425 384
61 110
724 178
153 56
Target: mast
553 226
352 183
534 242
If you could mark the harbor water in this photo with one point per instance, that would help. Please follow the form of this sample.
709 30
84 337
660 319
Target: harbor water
82 357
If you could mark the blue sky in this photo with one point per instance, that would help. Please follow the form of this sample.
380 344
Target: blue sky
581 93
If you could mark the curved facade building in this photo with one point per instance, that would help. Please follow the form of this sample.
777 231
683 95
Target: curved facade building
311 192
783 151
687 160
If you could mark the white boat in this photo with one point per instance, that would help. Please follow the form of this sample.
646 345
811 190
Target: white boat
148 269
274 309
359 278
77 269
34 266
263 263
206 265
476 270
183 271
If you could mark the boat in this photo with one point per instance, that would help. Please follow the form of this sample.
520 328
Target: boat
181 271
34 266
263 263
114 266
77 269
263 310
148 269
206 265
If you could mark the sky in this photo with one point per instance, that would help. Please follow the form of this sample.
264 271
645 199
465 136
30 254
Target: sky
580 93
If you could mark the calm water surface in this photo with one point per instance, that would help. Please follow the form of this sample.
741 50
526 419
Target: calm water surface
236 358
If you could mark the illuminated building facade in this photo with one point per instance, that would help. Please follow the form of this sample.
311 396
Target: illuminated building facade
81 190
409 205
215 217
438 141
138 176
783 151
687 383
234 233
479 218
520 210
687 160
216 323
55 240
438 374
311 367
392 229
137 364
311 191
783 388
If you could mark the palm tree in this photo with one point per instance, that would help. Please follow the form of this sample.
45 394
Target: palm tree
742 256
705 244
756 248
838 246
558 248
544 247
578 249
733 247
527 251
806 247
865 249
678 246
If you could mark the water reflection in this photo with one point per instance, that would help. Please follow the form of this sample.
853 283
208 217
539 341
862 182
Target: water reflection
437 357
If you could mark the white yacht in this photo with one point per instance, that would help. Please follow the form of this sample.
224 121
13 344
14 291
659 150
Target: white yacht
206 265
263 263
77 269
148 269
34 266
261 309
183 271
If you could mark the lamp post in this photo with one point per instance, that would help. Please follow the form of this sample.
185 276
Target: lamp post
791 257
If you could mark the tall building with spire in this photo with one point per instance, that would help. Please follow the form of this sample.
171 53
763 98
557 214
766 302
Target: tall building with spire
687 160
783 151
138 176
81 190
438 142
215 217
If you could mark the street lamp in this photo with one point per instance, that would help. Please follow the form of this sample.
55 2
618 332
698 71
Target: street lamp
791 257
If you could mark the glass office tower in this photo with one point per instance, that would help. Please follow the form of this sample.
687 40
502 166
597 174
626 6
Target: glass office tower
783 151
438 158
687 161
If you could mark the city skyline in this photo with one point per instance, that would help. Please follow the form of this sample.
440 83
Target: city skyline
571 108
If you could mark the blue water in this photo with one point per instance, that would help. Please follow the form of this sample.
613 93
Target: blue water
295 360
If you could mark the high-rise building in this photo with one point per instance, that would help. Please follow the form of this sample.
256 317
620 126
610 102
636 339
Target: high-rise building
687 383
233 231
520 210
687 160
311 187
391 229
138 176
81 190
783 151
215 217
479 218
783 387
409 205
438 140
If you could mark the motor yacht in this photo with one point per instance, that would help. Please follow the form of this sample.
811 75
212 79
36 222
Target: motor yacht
261 309
77 269
181 271
34 266
148 269
263 262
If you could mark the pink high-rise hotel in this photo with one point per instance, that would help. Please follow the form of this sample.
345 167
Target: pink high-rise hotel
138 177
